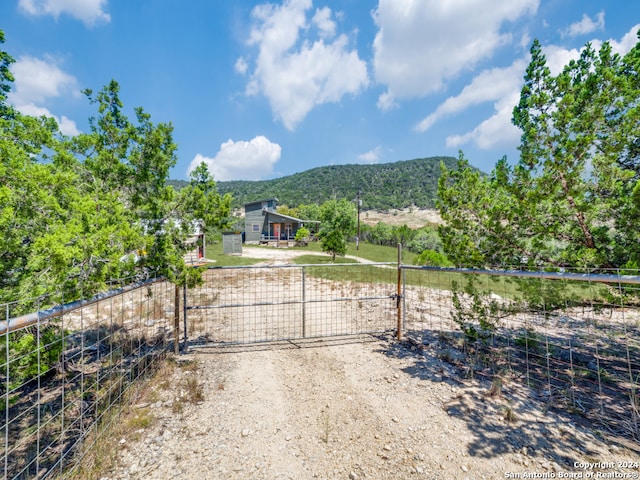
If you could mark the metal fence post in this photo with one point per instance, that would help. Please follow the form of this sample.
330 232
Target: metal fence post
404 299
184 316
6 394
304 304
176 321
399 292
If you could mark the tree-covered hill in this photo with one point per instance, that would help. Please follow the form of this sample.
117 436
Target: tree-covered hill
383 186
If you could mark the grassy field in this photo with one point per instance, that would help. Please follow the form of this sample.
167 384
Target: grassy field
320 259
373 253
545 292
214 252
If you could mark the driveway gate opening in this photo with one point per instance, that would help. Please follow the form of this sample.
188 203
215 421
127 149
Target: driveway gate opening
289 302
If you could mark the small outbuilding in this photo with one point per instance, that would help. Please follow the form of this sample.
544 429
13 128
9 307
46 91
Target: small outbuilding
231 243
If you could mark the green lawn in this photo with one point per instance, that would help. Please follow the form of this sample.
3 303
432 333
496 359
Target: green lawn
556 291
214 252
380 253
320 259
373 253
546 293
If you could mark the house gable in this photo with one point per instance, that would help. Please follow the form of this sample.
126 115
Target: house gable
255 218
262 205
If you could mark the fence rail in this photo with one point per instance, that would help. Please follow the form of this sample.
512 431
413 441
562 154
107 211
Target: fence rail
569 340
65 370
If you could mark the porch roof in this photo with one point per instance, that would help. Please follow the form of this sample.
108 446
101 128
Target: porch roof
280 218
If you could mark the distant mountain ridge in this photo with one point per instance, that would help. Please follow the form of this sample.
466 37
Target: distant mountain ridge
383 186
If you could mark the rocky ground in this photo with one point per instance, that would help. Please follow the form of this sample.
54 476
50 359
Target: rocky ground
412 217
352 408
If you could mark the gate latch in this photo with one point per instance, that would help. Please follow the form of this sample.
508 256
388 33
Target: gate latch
397 298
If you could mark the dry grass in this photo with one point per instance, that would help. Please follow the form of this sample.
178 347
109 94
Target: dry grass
101 450
190 391
509 414
194 390
495 390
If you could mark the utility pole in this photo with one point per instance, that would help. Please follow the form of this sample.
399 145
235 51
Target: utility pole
358 234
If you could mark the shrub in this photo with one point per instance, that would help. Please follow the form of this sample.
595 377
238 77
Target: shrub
302 235
475 312
31 357
431 258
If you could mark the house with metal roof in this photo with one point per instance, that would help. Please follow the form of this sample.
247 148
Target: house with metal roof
263 224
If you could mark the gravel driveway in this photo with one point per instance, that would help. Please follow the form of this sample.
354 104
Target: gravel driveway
351 408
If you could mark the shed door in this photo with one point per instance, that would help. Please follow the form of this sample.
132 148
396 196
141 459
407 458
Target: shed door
276 230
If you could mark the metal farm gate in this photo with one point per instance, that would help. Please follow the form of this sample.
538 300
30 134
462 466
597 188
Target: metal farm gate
240 305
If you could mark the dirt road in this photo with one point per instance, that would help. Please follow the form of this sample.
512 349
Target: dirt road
282 256
351 408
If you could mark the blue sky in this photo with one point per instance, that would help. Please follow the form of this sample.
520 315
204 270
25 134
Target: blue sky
262 90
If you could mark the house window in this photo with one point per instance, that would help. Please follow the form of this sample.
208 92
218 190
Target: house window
255 227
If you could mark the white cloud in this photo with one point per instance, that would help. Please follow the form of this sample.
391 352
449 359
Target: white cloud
241 66
386 102
525 42
322 19
66 125
490 85
297 75
557 57
89 12
627 42
503 86
495 132
372 156
35 82
420 45
585 26
500 85
241 160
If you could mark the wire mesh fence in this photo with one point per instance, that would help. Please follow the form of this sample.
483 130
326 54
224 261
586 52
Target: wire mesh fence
66 368
570 339
261 304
